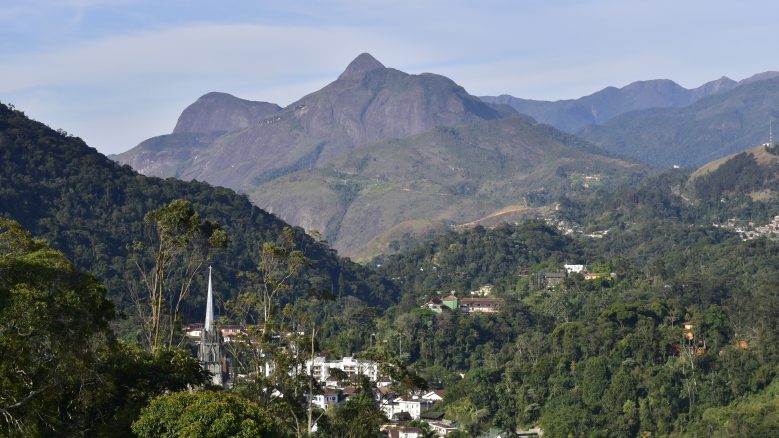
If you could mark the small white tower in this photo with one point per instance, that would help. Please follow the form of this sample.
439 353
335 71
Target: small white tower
210 351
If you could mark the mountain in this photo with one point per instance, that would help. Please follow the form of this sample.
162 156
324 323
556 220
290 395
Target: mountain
380 156
375 198
367 103
91 208
709 129
221 112
572 115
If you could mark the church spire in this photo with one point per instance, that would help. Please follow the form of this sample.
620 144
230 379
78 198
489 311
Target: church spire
209 305
210 350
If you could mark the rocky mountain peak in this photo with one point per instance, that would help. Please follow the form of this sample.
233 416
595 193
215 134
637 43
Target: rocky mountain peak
222 112
361 65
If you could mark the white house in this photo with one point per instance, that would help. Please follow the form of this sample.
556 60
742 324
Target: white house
414 406
574 268
329 398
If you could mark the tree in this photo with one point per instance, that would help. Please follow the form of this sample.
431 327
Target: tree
135 376
279 264
357 417
204 413
466 413
276 344
180 244
53 330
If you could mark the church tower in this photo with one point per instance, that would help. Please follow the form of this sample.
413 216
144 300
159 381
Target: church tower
210 352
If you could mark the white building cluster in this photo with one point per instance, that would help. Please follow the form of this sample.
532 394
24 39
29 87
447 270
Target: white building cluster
320 368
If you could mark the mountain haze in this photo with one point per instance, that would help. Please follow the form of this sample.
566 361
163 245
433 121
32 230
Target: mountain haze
378 156
572 115
711 128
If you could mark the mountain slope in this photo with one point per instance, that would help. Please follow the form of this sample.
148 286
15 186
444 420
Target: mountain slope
367 103
91 208
368 201
704 131
571 115
380 156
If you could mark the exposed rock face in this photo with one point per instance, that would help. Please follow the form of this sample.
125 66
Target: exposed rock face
362 64
353 160
222 112
367 103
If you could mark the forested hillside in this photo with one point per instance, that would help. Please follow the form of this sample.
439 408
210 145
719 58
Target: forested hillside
92 209
672 335
669 331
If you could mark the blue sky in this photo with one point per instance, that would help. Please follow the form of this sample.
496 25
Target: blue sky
116 72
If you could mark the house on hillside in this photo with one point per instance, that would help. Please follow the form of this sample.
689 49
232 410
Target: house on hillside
435 395
599 275
393 431
550 279
483 291
435 305
442 428
480 305
329 397
414 406
450 301
578 269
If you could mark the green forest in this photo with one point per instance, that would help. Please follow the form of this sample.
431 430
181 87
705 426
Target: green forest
674 334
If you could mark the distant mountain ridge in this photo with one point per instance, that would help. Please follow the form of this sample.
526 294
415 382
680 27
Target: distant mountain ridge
572 115
339 159
711 128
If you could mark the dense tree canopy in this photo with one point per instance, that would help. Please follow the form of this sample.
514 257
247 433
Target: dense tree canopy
203 413
53 328
92 209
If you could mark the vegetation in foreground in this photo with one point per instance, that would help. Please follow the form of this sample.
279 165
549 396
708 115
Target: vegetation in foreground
679 341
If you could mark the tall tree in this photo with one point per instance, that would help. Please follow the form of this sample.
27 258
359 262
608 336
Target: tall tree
275 342
178 246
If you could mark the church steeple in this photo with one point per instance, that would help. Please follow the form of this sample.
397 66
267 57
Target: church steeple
210 351
209 304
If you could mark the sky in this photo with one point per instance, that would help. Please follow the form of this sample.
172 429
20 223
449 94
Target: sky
116 72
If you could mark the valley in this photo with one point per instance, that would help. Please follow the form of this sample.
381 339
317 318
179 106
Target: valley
323 244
